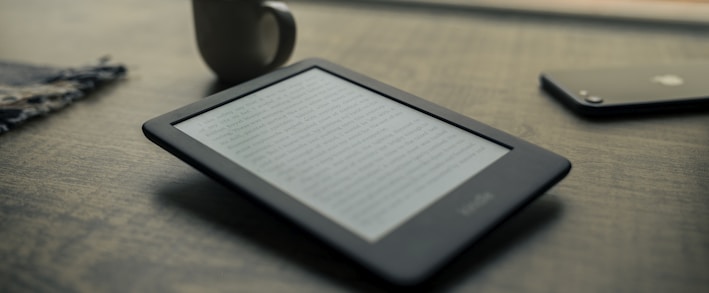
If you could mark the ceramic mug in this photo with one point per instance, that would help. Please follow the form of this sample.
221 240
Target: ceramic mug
241 39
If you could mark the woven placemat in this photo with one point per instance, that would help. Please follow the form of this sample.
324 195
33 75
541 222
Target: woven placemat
28 90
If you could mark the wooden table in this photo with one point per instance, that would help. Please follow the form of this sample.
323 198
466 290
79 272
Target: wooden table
88 204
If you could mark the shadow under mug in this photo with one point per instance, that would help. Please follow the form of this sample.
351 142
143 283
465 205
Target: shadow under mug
242 39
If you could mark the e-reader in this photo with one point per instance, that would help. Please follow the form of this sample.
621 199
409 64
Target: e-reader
398 184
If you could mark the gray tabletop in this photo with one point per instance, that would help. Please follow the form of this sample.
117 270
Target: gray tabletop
88 204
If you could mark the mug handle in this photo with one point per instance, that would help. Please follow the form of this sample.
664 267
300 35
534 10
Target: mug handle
286 31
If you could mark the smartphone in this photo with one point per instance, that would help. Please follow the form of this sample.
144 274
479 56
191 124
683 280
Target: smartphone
615 91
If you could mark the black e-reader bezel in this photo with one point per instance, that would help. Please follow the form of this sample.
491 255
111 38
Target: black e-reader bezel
424 243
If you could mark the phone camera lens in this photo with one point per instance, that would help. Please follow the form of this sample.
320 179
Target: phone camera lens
594 99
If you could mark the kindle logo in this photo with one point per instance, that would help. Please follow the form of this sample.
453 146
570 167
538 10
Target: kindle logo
478 201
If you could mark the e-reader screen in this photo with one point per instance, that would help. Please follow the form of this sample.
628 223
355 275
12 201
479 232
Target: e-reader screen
362 160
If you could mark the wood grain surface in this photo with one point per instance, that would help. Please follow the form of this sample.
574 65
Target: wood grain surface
87 204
